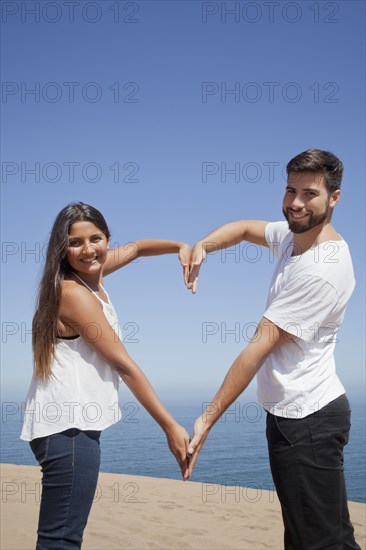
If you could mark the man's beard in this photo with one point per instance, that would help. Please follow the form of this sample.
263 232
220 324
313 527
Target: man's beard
311 221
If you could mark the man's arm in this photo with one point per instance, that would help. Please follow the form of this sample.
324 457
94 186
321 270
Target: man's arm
265 340
233 233
127 253
225 236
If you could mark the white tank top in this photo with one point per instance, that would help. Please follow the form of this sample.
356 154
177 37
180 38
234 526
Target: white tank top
82 391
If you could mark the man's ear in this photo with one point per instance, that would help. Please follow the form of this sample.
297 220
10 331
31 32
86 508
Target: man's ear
334 198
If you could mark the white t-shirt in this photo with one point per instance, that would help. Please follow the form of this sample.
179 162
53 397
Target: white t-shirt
82 391
307 298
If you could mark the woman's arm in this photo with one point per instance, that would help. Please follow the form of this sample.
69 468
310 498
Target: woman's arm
122 255
83 312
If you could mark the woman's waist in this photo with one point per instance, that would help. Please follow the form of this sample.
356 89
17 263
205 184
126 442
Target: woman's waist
67 403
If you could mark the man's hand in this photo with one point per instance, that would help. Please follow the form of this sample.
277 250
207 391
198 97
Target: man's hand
184 256
198 255
225 236
178 441
200 432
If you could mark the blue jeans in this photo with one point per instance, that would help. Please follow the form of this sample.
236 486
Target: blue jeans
306 458
70 463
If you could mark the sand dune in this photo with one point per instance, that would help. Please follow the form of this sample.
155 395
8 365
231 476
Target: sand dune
132 512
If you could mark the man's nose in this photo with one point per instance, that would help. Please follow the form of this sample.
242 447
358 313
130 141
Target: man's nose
297 202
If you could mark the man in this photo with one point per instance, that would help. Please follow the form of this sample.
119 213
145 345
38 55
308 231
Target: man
308 416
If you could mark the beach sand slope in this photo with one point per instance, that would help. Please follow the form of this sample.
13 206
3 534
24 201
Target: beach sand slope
133 512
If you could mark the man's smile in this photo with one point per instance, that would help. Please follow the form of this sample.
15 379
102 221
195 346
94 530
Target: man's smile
298 215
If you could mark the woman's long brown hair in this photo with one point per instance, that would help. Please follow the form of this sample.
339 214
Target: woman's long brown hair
44 327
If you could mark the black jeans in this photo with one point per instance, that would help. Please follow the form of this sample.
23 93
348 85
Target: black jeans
70 463
306 458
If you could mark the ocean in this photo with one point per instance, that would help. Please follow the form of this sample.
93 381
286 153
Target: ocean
234 454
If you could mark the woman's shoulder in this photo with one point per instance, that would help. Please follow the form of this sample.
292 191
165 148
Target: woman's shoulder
74 293
75 298
70 285
71 290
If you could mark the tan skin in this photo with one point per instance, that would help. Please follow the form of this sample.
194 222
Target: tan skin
305 195
90 258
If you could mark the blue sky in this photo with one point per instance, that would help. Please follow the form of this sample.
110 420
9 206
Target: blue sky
142 109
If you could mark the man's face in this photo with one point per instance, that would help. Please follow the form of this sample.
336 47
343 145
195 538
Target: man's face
307 203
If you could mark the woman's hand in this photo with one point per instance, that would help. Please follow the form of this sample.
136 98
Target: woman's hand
178 442
198 255
184 256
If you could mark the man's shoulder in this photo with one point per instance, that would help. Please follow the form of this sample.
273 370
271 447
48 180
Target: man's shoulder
275 232
327 255
329 262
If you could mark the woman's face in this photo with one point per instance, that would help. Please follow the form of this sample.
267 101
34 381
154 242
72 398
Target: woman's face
87 249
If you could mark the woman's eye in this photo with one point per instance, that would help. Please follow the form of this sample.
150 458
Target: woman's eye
97 238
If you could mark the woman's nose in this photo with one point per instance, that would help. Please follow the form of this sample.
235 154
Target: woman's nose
87 249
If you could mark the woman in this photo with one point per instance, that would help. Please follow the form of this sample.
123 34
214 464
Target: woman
79 360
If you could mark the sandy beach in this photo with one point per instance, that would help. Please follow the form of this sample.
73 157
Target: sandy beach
140 512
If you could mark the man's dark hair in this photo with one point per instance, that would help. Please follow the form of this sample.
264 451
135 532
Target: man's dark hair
324 162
